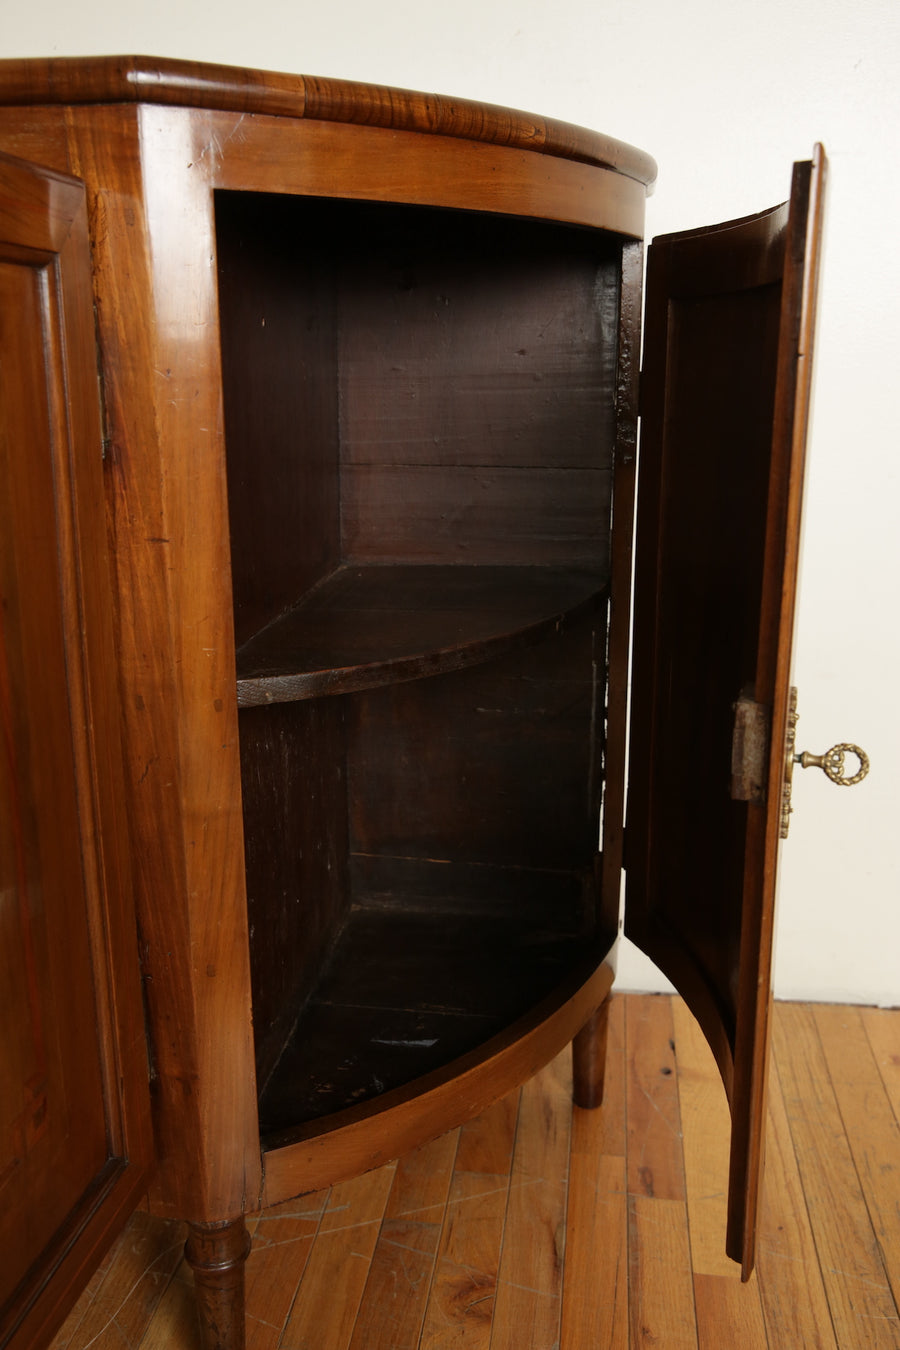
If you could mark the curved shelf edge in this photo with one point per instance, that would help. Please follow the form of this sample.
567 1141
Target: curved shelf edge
363 1137
577 595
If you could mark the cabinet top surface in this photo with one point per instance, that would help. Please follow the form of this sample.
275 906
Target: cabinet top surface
138 79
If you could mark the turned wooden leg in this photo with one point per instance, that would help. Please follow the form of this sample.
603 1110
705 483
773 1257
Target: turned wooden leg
216 1253
589 1059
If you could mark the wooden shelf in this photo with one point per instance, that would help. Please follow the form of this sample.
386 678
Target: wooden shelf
366 626
406 993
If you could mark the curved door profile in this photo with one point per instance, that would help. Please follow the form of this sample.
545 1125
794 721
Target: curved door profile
74 1116
725 389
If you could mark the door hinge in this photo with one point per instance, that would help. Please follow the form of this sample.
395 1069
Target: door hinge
749 751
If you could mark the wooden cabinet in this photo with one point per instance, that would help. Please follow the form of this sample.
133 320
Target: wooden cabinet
369 365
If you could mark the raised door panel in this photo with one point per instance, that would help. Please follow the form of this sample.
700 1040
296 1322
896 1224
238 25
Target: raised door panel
73 1072
725 391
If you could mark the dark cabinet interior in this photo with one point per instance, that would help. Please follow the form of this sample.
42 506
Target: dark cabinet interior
419 415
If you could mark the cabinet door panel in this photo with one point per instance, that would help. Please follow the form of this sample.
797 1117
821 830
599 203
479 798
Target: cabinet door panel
73 1115
725 393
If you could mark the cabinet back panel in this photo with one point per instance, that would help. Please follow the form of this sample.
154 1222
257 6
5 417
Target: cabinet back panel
496 765
479 890
496 515
477 364
494 352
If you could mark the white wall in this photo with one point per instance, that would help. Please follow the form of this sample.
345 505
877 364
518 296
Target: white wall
724 95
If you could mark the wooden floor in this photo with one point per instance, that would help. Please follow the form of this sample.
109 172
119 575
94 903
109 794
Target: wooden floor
537 1227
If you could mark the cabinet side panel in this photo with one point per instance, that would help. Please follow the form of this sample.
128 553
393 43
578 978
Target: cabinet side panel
51 1065
277 314
74 1117
37 134
621 581
295 831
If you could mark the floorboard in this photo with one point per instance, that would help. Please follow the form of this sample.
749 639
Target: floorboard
540 1227
792 1290
862 1308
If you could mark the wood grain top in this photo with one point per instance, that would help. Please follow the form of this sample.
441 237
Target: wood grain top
140 79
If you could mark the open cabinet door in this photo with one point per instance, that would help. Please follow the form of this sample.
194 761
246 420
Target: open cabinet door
75 1141
725 390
